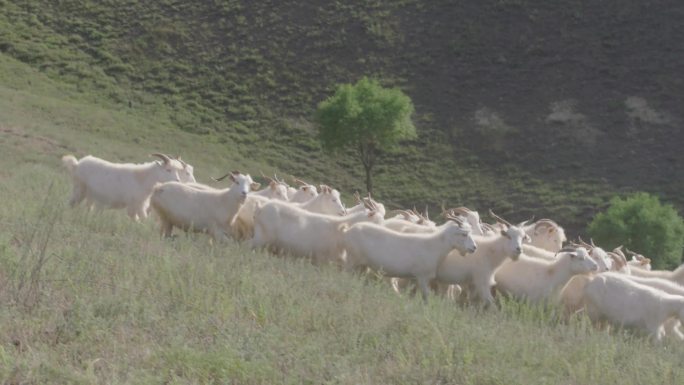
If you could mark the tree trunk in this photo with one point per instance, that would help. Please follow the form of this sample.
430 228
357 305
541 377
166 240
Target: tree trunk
369 179
367 152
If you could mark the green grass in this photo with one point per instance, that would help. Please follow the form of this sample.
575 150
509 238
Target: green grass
90 298
245 77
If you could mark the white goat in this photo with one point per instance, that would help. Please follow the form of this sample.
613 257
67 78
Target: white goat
118 185
639 261
304 193
327 202
473 217
243 225
186 173
676 275
672 326
362 203
200 210
405 226
546 234
538 252
616 298
476 272
571 296
404 221
405 255
274 190
538 280
286 228
602 259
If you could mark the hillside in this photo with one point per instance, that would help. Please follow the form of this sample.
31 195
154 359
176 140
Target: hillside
528 107
98 299
92 298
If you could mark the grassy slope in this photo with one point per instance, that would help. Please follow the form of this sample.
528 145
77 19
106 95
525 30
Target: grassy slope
99 299
244 73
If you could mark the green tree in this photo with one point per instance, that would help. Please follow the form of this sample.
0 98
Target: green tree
643 224
368 118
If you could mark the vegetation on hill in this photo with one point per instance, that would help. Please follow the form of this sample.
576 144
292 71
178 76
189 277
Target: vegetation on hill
529 107
641 222
96 298
367 118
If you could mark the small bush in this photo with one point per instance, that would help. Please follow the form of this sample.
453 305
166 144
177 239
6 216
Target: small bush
643 224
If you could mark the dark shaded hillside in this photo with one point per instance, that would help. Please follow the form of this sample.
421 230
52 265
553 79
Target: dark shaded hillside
525 106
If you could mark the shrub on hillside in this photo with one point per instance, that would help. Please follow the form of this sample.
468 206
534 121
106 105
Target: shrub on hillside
642 224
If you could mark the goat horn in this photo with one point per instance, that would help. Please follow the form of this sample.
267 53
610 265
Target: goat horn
396 212
588 246
498 218
267 177
357 197
300 182
163 157
460 211
523 223
574 244
280 181
178 158
224 177
617 258
456 219
370 204
545 222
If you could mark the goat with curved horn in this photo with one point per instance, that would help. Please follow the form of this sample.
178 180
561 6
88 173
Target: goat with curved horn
370 204
632 253
225 176
585 244
267 177
357 197
544 222
178 158
457 219
280 181
498 218
163 157
523 223
300 182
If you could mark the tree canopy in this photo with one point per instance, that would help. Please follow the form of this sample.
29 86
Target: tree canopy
367 117
644 225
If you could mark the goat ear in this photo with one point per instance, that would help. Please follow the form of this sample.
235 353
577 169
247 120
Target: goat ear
505 234
255 186
305 188
551 230
573 255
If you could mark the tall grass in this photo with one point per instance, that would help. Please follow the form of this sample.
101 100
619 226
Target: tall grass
96 298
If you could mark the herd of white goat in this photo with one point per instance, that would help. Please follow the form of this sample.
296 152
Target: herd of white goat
463 258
